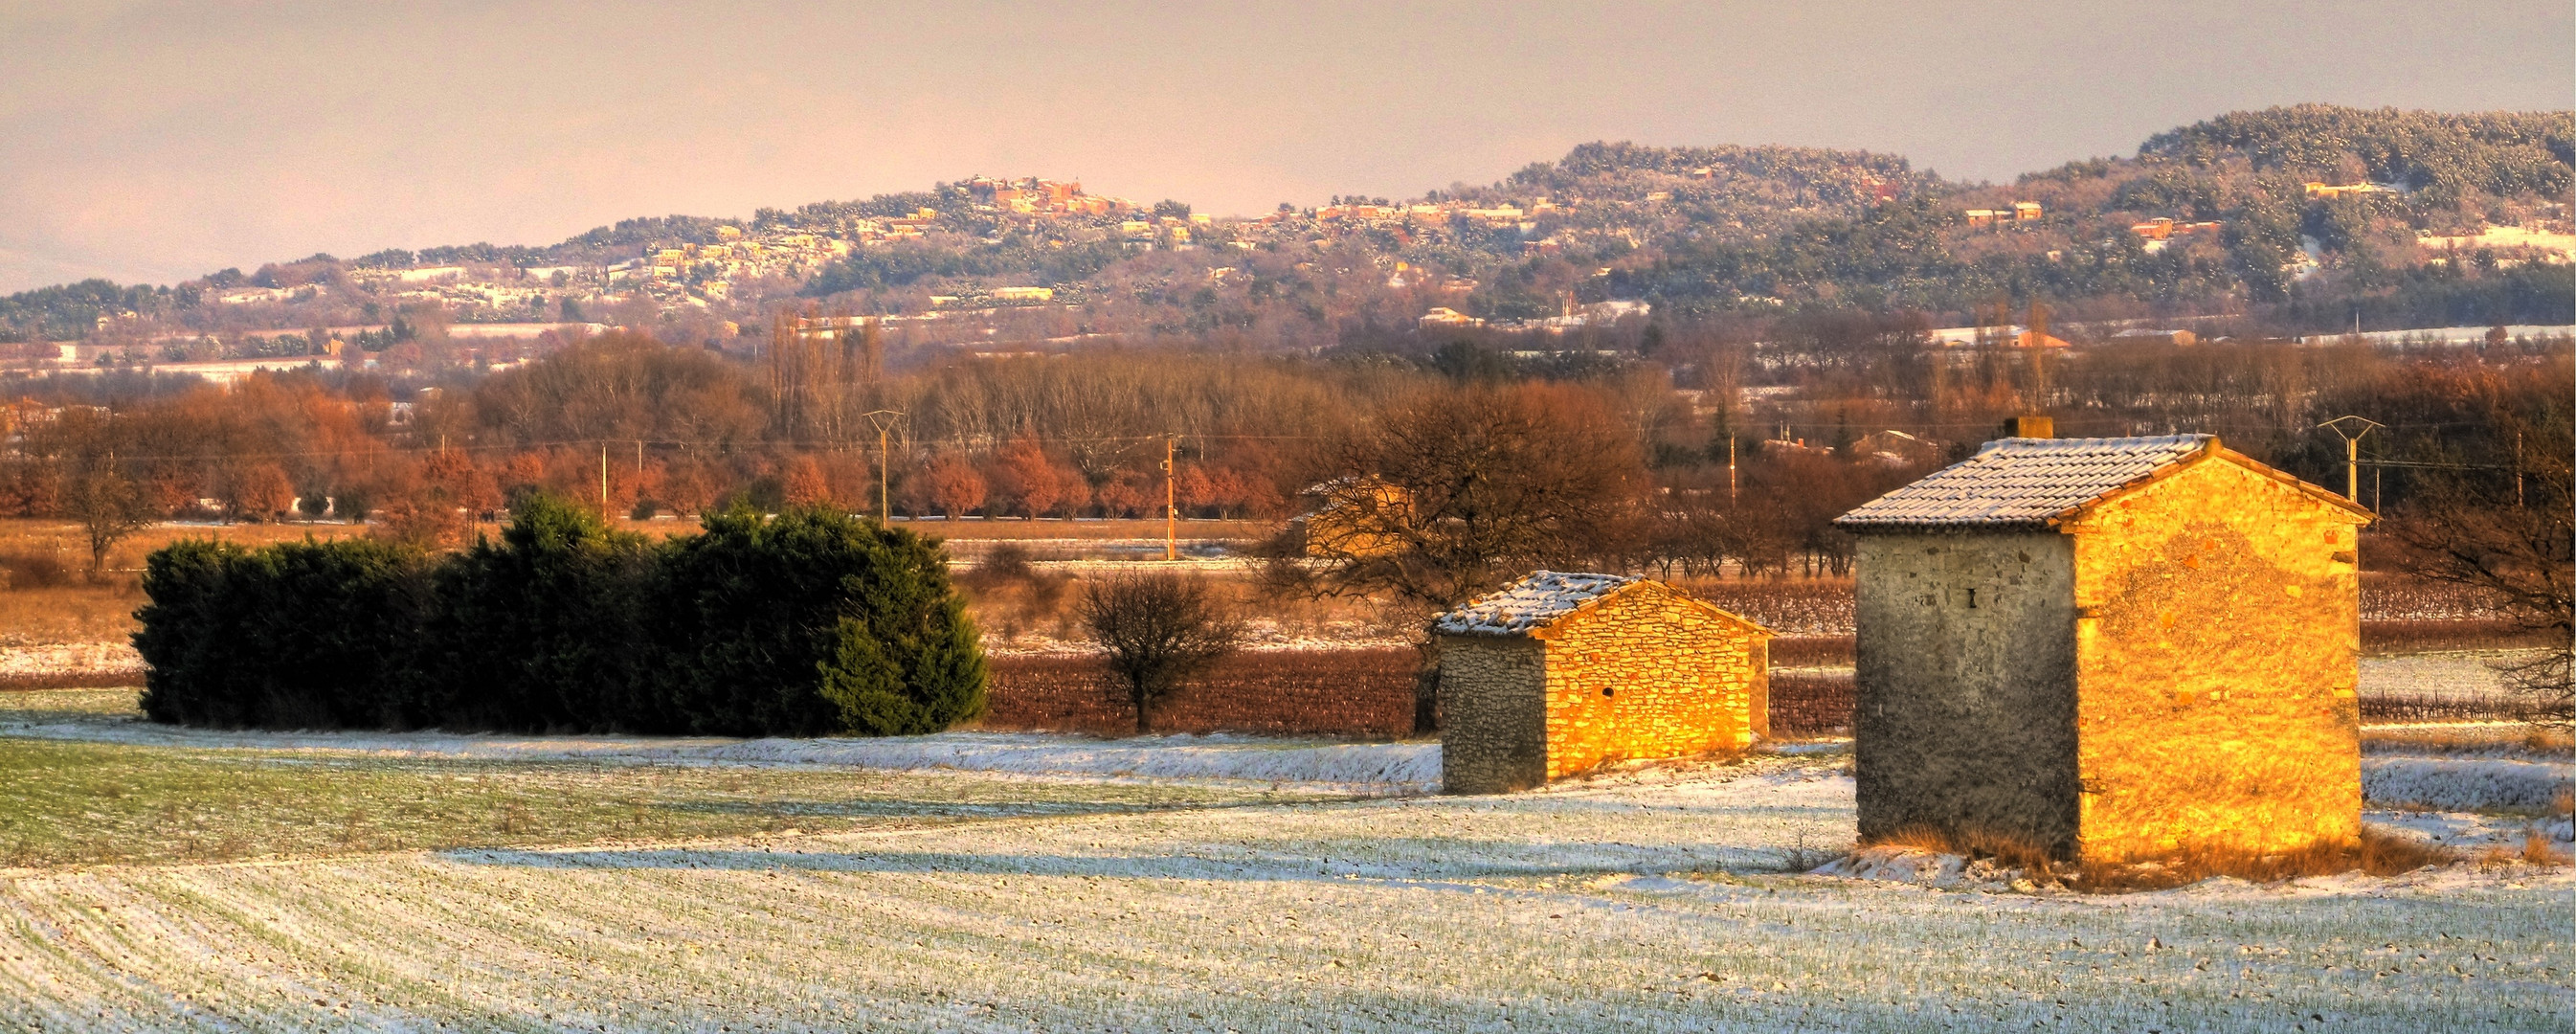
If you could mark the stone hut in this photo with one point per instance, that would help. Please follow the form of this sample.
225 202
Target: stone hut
1560 672
2120 648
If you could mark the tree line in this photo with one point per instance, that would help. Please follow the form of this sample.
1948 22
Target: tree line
1715 450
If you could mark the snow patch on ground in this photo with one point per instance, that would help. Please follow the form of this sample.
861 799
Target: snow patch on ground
1920 867
2468 831
2454 674
2464 784
71 659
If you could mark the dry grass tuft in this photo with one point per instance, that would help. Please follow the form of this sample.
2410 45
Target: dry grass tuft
2481 739
36 569
2008 850
70 613
2393 638
2378 853
2538 850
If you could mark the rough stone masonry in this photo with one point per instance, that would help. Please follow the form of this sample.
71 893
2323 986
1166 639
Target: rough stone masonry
1560 673
2117 648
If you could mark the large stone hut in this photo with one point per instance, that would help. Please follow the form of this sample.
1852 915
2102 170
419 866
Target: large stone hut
1560 672
2119 648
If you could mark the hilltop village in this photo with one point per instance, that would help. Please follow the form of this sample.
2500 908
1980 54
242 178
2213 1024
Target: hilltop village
2292 222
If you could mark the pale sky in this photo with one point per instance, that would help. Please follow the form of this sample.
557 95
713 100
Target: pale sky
160 141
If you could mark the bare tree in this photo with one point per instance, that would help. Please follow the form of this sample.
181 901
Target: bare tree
109 507
2513 538
1161 630
1454 493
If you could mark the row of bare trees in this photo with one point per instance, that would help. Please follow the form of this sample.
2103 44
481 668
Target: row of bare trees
1495 465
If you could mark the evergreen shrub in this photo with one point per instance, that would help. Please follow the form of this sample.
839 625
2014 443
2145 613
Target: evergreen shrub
814 622
809 623
540 631
305 635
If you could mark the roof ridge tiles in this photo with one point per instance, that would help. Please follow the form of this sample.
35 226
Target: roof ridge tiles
2025 482
1531 603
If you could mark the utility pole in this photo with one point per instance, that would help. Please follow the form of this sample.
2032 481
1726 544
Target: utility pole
1171 506
2351 429
2518 501
1730 472
603 482
2038 358
884 419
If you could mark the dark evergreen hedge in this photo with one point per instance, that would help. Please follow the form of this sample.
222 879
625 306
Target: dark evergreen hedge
809 623
301 635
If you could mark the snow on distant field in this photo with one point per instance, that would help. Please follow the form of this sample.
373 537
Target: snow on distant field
2460 674
1626 906
70 658
2465 784
1374 767
2400 780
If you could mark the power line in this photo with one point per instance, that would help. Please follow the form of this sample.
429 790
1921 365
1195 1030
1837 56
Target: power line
719 444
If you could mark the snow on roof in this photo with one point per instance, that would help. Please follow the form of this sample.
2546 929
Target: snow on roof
1531 603
2024 482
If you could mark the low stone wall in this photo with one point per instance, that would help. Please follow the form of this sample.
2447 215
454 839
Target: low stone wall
1365 694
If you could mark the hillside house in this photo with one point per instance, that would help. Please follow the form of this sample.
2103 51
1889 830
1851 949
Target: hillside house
1355 517
2020 212
2117 647
1560 672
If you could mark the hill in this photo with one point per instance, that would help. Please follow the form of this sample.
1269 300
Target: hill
2302 217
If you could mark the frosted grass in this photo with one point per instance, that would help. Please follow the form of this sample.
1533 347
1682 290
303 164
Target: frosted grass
1632 906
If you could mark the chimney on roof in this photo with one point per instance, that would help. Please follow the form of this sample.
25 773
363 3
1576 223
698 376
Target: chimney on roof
2030 427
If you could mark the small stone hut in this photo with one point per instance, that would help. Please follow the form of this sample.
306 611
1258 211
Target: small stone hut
2120 648
1560 672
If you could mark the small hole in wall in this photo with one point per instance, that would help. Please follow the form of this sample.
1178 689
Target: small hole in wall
1607 691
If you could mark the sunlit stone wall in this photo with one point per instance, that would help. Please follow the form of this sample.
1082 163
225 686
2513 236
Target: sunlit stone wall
1647 674
2217 656
1641 673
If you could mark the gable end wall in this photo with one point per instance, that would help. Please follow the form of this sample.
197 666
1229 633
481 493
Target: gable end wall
2217 658
1682 681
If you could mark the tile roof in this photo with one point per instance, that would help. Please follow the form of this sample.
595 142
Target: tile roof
1529 604
2023 482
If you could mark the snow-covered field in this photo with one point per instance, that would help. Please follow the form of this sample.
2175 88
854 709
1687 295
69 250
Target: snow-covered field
2512 785
1650 898
1630 904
